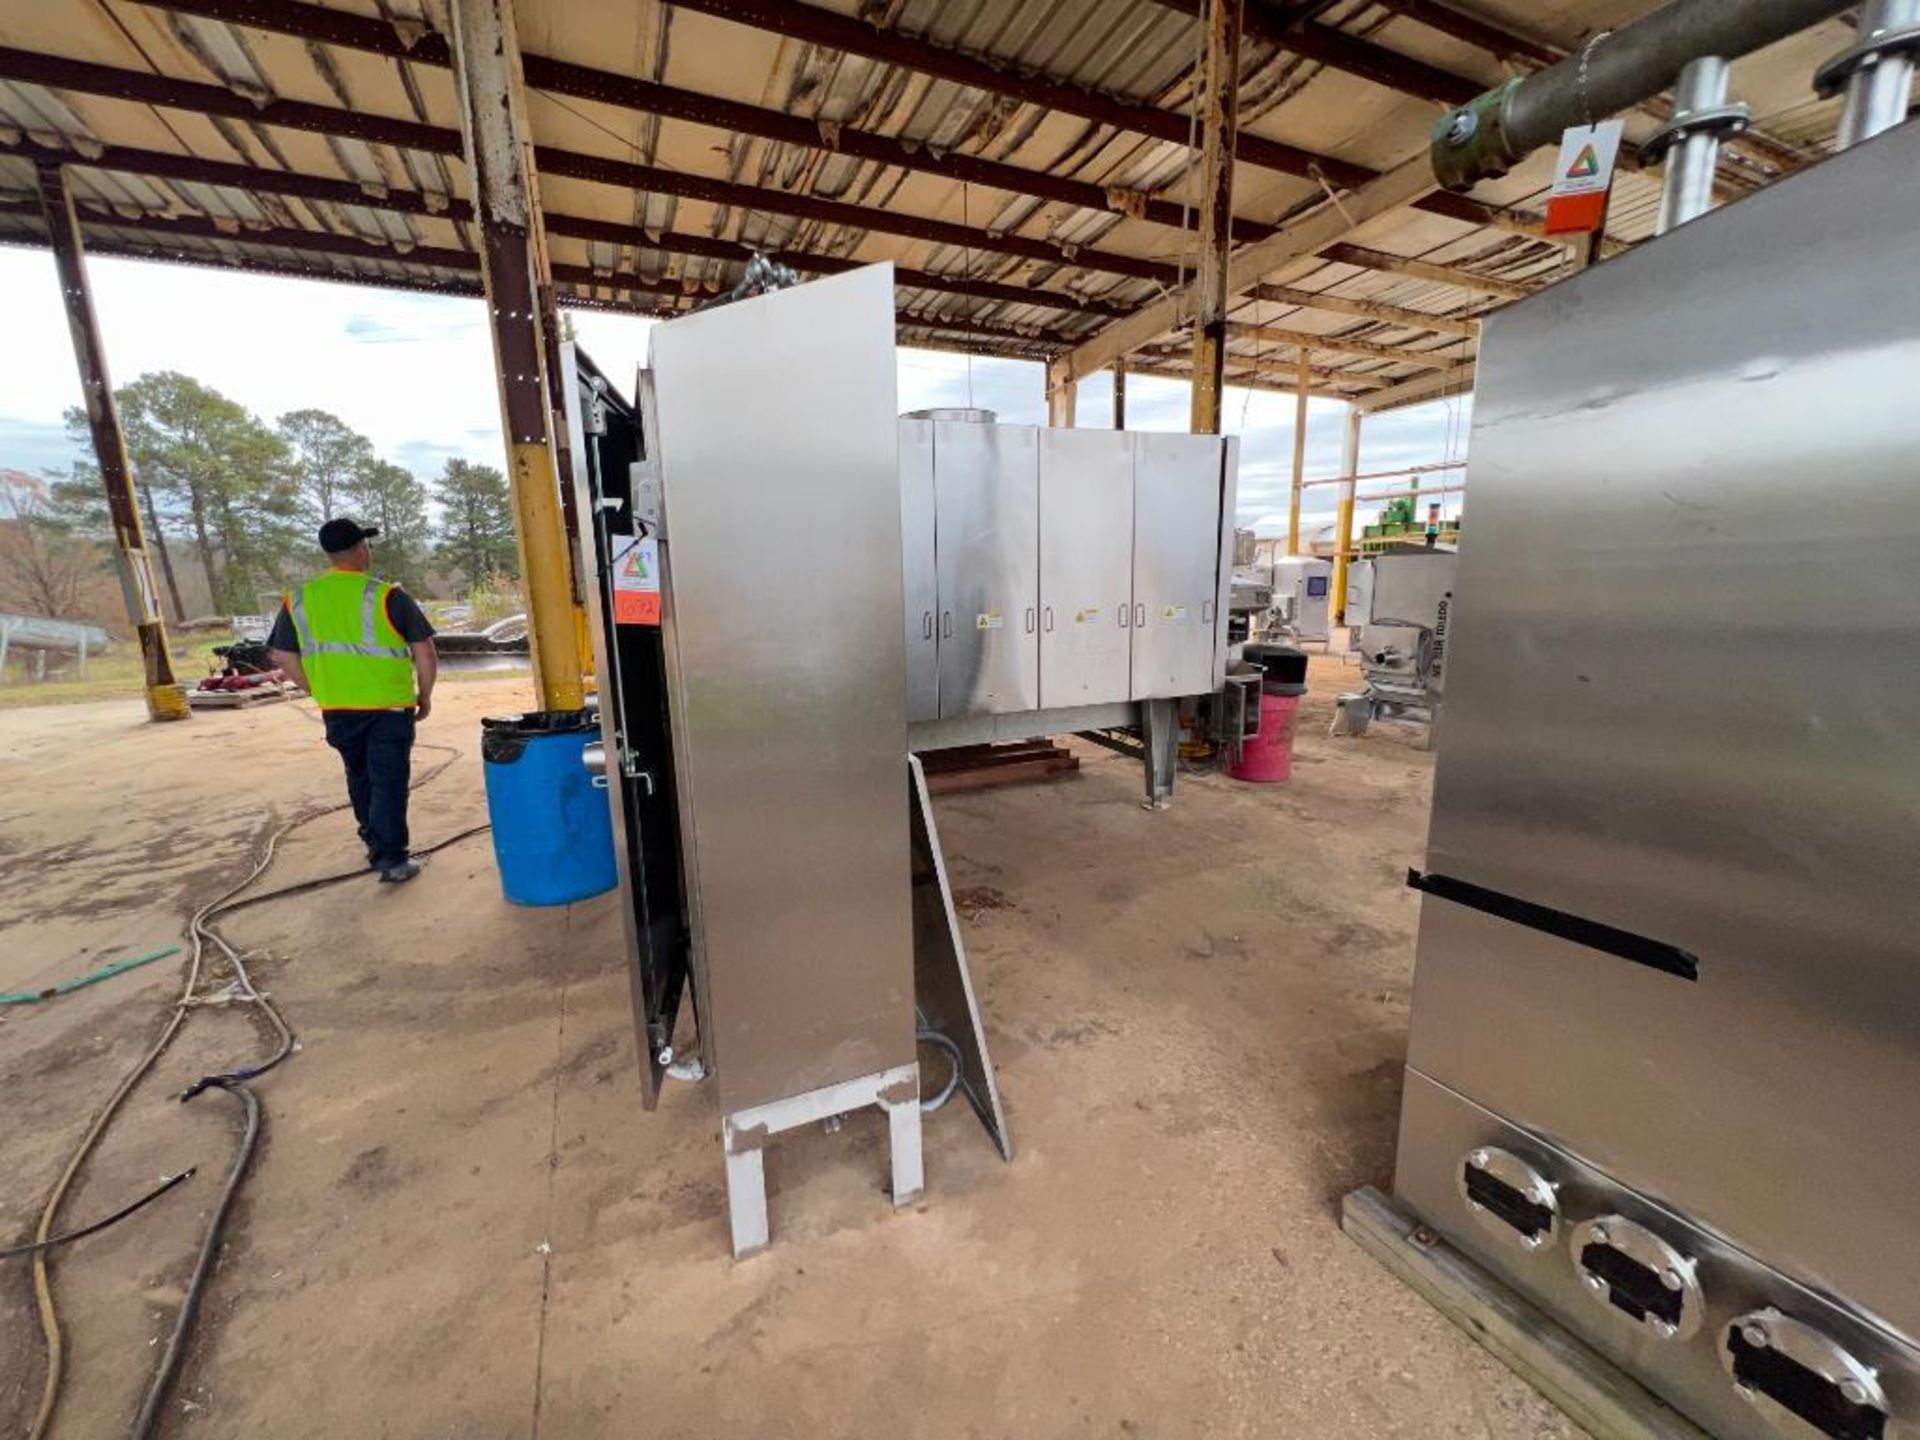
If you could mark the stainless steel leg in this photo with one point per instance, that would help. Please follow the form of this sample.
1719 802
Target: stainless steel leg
746 1195
903 1128
1160 734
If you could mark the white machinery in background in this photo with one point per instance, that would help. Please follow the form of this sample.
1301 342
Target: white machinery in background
1399 609
1302 598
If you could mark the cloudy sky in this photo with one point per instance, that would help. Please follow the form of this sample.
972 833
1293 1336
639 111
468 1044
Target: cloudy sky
415 374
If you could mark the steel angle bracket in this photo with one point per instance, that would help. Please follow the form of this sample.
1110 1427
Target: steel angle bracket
942 983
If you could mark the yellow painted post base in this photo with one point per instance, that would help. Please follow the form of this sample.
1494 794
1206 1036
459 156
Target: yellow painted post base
168 702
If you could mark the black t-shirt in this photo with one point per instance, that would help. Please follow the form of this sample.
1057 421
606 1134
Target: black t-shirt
402 613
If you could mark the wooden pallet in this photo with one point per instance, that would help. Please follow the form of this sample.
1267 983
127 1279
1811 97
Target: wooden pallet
1597 1395
237 699
977 767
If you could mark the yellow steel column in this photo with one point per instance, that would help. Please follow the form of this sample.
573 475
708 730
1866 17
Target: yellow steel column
1304 378
1343 532
166 699
551 334
1218 103
486 63
1062 394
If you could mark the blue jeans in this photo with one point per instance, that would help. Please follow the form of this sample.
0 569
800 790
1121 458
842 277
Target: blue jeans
376 746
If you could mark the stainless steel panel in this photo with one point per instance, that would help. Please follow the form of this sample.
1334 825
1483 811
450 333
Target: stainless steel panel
922 579
605 667
1179 540
943 981
1440 1129
987 492
1685 701
1086 566
789 681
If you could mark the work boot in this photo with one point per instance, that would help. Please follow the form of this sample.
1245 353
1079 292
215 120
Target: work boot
401 873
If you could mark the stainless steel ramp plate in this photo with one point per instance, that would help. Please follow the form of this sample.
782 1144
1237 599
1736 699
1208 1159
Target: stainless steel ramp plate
943 986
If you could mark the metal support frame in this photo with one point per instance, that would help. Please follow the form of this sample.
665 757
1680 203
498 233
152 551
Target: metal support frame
744 1134
1690 141
1160 737
166 699
1343 524
1303 381
506 205
1876 71
1218 103
1119 394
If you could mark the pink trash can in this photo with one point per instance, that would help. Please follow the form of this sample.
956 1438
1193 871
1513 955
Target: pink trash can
1267 758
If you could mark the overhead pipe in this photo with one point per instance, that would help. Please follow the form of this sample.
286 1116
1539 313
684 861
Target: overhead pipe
1612 72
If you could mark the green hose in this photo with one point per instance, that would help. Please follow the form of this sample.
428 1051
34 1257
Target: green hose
105 972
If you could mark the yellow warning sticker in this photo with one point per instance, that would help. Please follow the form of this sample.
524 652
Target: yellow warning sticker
1175 612
989 621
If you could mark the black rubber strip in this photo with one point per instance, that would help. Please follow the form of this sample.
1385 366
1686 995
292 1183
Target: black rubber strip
1654 954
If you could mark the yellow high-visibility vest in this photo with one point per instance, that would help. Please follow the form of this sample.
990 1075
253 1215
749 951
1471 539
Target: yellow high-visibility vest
354 658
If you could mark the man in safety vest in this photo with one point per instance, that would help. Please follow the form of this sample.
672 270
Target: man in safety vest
364 651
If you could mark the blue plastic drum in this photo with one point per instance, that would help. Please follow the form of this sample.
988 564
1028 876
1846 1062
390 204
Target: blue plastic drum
552 830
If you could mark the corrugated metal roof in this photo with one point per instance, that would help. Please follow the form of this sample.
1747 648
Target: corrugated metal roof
397 216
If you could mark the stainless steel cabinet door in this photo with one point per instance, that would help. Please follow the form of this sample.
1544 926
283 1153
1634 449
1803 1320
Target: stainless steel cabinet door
1086 566
1176 563
987 495
922 584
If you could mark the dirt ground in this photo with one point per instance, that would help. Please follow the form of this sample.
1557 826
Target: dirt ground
461 1223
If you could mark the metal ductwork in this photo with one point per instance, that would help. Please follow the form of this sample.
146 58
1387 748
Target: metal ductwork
1610 73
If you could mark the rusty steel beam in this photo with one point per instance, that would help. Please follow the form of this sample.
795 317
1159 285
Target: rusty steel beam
1370 259
1397 315
59 73
108 80
318 23
1219 105
166 700
258 180
833 31
1338 50
1340 345
461 263
1502 44
585 82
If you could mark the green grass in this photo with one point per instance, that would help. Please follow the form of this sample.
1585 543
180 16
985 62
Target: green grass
116 675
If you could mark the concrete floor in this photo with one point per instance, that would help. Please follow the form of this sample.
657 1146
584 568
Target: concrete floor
462 1223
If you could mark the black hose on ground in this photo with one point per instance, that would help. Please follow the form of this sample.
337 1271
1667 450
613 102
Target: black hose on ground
30 1247
233 1083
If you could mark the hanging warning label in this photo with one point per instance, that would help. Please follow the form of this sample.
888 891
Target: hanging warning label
636 581
1582 177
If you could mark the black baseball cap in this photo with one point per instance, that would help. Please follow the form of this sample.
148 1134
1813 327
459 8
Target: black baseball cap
340 534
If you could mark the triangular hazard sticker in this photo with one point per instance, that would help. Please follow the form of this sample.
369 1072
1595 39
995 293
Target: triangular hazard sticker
1585 164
